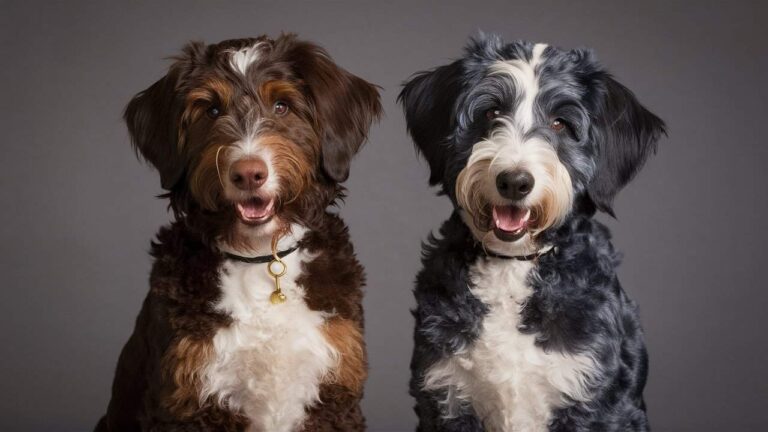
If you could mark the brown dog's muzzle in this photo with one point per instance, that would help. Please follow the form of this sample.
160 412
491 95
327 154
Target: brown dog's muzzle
248 174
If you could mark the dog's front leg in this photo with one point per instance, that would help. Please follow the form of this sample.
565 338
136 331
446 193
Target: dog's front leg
341 392
338 411
130 380
440 332
432 416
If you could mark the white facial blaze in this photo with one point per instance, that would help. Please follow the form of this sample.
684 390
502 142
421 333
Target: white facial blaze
241 59
526 81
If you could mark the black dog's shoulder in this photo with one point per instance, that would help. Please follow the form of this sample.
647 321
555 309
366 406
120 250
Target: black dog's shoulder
579 307
576 298
448 318
447 315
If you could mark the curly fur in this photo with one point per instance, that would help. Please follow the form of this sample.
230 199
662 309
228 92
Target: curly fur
551 344
152 393
209 351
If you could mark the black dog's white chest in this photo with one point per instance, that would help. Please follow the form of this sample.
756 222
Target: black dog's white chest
511 383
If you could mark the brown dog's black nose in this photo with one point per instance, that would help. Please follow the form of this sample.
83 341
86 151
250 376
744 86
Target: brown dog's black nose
248 174
514 185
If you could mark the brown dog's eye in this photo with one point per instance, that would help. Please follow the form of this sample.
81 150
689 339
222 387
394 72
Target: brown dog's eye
558 125
281 108
213 111
492 113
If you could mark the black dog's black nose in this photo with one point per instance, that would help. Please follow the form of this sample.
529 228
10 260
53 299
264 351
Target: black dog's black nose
514 185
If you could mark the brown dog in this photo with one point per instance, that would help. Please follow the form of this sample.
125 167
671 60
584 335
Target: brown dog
252 138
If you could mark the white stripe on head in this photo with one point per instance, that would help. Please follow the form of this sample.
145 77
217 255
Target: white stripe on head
526 82
241 59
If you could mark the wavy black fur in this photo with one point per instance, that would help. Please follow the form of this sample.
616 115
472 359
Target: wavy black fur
577 305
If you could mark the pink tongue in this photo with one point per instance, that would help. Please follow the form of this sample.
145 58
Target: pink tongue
254 208
510 218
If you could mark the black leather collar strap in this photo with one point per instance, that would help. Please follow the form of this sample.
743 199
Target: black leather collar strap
530 257
263 259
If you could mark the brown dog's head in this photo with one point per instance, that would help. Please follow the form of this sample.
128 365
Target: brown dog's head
250 135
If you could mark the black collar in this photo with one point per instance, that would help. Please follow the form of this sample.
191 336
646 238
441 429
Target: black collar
260 259
530 257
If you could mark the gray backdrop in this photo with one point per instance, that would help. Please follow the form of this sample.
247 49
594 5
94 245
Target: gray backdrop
78 211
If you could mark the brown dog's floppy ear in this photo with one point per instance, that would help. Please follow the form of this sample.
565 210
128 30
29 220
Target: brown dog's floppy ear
153 118
345 104
626 134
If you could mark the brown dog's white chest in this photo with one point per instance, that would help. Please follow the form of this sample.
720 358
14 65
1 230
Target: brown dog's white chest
269 363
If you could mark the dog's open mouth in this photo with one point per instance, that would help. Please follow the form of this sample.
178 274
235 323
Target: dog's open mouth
510 222
255 210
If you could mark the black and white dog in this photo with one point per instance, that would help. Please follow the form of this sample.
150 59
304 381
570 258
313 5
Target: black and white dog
521 323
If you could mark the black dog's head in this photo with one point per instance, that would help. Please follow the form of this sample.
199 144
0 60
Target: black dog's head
250 135
516 133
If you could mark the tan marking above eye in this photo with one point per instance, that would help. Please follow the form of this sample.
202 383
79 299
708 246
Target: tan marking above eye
212 90
284 97
210 99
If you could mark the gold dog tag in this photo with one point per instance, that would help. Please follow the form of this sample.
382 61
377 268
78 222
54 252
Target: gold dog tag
277 295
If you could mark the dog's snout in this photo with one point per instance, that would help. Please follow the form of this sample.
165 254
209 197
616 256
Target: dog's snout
514 185
248 174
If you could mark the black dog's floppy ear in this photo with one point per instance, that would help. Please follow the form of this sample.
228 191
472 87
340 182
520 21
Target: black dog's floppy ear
345 104
429 100
627 133
153 118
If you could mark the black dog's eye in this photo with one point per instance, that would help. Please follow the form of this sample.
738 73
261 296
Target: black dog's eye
213 111
281 108
492 113
561 126
558 125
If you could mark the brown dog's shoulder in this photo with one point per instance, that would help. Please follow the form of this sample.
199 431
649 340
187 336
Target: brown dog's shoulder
334 279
